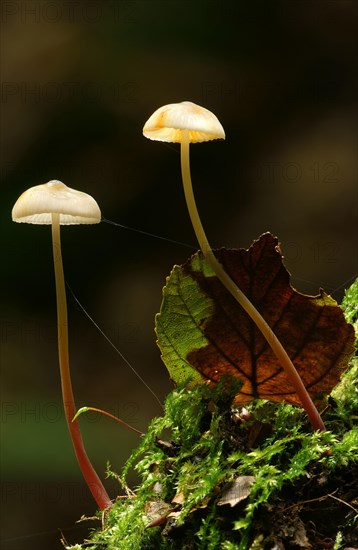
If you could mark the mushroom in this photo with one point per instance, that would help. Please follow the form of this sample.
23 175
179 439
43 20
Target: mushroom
55 204
187 123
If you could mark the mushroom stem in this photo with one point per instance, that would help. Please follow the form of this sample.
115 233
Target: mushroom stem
94 483
274 343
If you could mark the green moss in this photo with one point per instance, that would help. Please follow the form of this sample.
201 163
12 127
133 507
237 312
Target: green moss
199 449
350 305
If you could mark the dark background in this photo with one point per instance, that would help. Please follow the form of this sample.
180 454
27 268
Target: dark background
79 80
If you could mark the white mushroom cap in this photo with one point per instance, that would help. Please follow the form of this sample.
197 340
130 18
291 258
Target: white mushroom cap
38 203
168 122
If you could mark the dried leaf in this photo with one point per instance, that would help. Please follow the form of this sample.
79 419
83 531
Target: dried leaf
295 531
238 491
156 511
203 333
179 498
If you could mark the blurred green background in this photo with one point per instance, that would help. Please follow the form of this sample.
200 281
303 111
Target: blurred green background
78 81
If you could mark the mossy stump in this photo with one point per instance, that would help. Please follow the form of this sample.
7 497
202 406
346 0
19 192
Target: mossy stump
216 477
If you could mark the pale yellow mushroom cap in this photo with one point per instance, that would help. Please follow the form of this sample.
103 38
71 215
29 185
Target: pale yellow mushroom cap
168 122
38 203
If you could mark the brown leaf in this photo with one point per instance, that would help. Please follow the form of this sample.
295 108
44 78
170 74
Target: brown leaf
238 491
179 498
312 329
156 511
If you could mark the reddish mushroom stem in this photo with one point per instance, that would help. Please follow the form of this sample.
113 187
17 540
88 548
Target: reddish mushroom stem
94 483
273 341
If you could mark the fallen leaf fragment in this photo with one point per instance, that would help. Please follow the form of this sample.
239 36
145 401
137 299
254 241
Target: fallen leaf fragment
156 511
178 498
238 491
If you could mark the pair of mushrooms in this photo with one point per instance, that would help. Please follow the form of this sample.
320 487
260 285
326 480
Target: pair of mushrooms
56 204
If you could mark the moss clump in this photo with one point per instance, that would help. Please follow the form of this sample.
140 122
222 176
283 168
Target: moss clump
350 305
208 447
254 478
